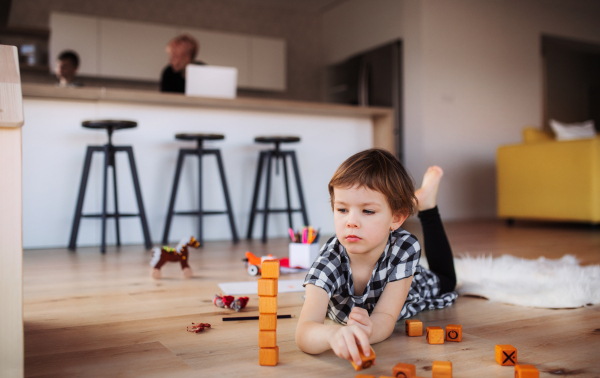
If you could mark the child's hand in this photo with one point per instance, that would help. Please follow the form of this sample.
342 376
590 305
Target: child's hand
346 341
360 317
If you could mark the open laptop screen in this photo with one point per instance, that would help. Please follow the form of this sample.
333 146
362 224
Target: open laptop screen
210 81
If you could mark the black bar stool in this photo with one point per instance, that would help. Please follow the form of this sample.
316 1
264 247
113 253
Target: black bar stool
270 155
109 151
199 151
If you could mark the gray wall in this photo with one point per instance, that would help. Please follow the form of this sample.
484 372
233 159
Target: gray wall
301 30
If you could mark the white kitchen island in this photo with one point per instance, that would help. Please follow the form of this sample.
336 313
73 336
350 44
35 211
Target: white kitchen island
54 144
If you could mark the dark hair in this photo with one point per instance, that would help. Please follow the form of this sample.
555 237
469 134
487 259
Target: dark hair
378 170
70 55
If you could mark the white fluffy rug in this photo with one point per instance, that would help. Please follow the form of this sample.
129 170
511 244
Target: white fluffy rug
561 283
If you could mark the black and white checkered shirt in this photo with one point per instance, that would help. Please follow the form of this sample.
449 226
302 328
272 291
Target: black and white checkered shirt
399 260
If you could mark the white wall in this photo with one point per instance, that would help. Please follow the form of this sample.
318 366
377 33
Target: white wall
473 80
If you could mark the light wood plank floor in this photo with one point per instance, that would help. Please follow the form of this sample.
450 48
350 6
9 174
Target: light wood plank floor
92 315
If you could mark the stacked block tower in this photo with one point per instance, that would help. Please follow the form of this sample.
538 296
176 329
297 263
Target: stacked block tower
268 354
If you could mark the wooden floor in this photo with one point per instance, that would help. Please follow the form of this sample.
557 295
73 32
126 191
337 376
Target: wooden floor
92 315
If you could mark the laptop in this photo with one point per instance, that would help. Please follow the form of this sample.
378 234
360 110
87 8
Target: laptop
210 81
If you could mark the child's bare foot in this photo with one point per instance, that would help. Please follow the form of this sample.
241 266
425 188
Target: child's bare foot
427 193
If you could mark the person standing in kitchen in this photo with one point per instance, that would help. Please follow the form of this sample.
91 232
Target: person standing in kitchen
182 51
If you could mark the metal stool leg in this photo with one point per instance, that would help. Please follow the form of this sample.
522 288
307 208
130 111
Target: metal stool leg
200 213
107 151
226 192
300 194
259 169
170 212
114 170
287 188
82 187
267 190
138 194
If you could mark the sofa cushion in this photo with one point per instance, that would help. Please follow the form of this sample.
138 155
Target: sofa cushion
570 131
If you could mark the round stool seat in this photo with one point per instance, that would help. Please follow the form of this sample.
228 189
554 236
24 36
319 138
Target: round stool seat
199 136
277 139
109 124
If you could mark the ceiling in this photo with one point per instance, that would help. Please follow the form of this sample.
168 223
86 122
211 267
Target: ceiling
304 6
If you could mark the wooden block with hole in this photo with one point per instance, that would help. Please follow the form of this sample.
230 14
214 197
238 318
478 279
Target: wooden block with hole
454 332
269 269
267 339
526 371
435 335
267 287
404 371
267 305
367 362
414 327
442 369
267 322
506 355
268 356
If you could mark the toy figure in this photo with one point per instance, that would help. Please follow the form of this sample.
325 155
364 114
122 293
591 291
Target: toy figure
228 301
179 253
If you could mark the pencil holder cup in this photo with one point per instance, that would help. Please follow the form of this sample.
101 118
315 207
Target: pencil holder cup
303 255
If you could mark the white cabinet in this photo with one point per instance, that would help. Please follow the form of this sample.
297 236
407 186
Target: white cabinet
78 33
131 50
267 64
136 50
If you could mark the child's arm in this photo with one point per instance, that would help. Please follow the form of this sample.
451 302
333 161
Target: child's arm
313 337
386 313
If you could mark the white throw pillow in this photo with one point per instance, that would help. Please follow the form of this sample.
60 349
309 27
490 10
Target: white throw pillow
570 131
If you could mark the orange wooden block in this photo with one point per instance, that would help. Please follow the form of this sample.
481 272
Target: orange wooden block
267 305
367 362
267 322
365 376
414 327
267 339
454 332
526 371
506 355
442 369
435 335
268 356
267 287
404 371
269 269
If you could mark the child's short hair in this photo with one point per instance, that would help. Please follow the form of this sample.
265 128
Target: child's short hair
71 56
378 170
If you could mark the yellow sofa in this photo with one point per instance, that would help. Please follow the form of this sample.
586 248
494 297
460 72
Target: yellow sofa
548 179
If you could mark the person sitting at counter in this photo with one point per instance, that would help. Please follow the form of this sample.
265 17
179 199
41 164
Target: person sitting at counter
182 51
66 69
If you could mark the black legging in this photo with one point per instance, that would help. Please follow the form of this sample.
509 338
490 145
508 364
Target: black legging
439 253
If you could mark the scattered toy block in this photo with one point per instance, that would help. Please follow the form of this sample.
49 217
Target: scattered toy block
414 327
526 371
506 355
404 371
442 369
267 287
267 305
435 335
268 356
269 269
267 322
367 362
454 332
267 339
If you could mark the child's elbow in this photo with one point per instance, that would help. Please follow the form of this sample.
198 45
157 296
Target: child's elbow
302 342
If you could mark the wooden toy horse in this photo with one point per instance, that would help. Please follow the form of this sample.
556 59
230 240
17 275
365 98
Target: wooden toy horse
179 253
